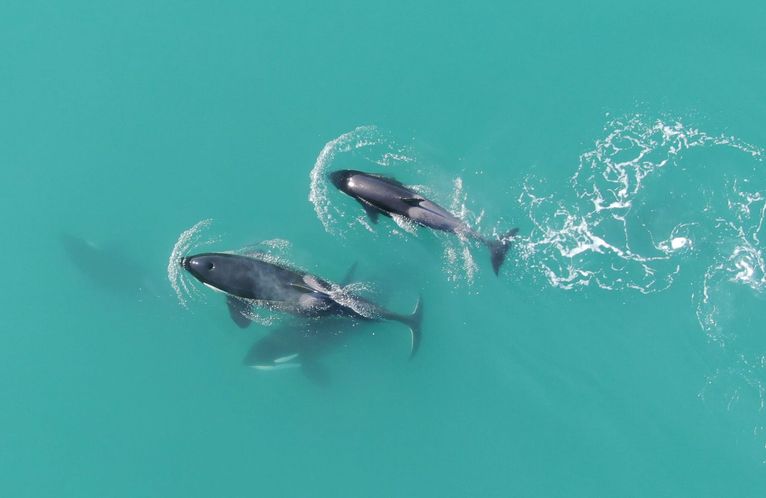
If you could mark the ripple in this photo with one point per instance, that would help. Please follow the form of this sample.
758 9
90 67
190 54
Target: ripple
186 240
589 235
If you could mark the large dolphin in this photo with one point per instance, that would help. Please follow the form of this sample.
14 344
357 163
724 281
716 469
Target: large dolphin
383 195
251 281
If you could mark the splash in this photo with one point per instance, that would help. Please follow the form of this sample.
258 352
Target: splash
638 211
458 259
739 259
186 241
267 313
350 296
602 235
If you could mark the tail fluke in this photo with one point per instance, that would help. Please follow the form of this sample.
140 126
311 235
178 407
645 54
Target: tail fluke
499 248
413 321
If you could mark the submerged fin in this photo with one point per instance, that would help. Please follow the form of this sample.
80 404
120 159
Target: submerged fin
499 248
238 310
372 212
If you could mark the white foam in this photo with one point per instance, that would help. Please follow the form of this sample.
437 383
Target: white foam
679 242
588 241
592 234
186 240
458 258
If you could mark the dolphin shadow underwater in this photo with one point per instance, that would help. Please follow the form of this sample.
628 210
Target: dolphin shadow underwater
301 345
379 194
250 281
109 267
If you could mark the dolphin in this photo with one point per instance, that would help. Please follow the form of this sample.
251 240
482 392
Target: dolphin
108 267
387 196
251 281
299 346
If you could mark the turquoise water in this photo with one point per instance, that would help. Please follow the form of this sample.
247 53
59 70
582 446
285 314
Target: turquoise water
619 353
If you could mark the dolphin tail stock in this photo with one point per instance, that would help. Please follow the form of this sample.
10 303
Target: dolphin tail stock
413 321
499 248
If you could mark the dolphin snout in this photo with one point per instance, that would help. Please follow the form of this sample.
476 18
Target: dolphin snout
185 263
338 178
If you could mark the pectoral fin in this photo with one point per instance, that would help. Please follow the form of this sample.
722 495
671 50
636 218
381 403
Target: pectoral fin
372 212
239 310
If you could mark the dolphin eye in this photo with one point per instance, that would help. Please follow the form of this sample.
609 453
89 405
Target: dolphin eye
211 266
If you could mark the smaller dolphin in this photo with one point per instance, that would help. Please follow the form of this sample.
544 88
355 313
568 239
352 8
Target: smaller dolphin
382 195
299 345
250 281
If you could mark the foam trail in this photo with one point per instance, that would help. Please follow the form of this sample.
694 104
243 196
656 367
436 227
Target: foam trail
588 238
603 231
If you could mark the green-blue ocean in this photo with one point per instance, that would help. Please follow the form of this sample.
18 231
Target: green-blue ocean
620 352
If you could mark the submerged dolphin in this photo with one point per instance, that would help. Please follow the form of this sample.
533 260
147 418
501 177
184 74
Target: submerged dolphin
298 345
249 281
109 267
382 195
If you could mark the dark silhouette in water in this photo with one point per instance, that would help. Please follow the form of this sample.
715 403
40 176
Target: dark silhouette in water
109 268
300 345
249 281
382 195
